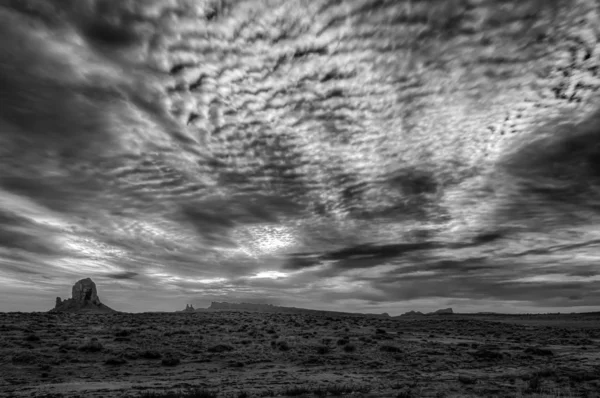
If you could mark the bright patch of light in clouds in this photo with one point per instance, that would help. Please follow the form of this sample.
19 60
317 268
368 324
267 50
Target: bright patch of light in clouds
269 275
557 278
270 239
176 278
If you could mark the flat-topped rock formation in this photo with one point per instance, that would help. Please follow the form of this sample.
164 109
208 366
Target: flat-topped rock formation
84 298
443 311
288 310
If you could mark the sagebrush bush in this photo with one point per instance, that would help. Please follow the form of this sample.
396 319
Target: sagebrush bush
92 345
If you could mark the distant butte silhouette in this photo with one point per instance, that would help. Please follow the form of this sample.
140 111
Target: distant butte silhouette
84 299
279 309
444 311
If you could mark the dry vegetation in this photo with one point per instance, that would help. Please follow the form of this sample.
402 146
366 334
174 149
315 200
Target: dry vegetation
244 354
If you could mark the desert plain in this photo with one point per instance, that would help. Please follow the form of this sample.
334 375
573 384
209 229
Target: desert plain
250 354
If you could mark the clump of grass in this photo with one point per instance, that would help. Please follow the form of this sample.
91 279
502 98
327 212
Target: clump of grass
220 348
323 349
32 337
349 348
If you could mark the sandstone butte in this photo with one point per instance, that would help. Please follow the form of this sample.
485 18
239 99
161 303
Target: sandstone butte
84 299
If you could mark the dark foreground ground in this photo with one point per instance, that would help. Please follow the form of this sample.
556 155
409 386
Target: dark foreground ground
242 354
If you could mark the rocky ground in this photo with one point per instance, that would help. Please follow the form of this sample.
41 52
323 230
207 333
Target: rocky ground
244 354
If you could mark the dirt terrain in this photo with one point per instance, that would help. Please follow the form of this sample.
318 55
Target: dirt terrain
245 354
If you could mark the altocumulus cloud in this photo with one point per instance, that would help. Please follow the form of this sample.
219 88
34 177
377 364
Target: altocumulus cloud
353 155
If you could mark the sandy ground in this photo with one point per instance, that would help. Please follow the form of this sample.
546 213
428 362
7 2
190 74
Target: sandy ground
73 355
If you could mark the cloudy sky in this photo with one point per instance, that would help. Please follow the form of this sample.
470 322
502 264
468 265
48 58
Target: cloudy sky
373 156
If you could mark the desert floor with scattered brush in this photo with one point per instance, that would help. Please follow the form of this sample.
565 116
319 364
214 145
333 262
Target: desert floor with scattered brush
245 354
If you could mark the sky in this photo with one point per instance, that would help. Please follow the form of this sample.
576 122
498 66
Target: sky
364 156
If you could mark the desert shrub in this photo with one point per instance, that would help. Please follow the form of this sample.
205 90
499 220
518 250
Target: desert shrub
44 366
406 393
341 389
235 364
92 345
343 341
24 357
115 361
282 345
220 348
548 372
380 331
32 337
64 347
313 361
464 379
176 332
295 391
123 333
323 349
194 392
389 348
349 348
170 360
538 351
131 354
534 383
150 354
581 376
484 354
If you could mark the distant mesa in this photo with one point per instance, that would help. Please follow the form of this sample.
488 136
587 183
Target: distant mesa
270 308
412 313
216 306
84 299
444 311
